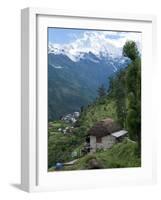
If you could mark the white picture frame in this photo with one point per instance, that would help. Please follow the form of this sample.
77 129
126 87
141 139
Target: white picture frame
33 178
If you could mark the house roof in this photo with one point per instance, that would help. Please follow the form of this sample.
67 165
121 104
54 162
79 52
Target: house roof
119 133
104 127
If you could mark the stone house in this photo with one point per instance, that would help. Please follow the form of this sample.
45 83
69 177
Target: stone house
104 134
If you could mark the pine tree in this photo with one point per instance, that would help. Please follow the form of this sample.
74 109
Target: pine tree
101 91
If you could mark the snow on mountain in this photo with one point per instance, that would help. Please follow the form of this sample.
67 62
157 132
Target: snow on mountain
75 55
99 43
93 42
56 66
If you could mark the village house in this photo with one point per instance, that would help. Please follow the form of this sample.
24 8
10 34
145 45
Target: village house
104 134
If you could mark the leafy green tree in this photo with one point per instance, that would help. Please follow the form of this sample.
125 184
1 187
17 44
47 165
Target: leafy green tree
130 50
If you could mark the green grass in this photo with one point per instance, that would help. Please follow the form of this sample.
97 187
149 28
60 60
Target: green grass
101 109
60 146
55 125
121 155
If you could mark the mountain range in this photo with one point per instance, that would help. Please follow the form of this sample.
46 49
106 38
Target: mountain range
74 76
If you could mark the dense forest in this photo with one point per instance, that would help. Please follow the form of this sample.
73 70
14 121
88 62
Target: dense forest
122 102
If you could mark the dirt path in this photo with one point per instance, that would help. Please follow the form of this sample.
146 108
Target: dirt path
71 162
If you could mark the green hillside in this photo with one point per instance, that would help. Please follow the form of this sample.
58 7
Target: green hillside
60 146
119 156
102 108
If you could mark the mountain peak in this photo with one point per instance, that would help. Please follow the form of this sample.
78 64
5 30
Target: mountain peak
92 43
76 54
99 43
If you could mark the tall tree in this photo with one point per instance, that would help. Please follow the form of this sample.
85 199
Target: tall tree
133 83
101 91
130 50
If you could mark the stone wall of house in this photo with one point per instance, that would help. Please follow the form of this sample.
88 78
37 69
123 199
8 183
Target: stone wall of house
93 143
99 145
108 141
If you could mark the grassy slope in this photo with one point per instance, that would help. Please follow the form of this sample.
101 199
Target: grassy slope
99 110
119 156
61 146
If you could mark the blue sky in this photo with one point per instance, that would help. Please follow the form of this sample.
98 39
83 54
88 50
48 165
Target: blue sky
62 35
67 35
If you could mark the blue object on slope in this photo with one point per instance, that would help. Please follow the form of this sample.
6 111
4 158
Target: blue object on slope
58 166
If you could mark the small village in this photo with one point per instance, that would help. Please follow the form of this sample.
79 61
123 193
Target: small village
69 120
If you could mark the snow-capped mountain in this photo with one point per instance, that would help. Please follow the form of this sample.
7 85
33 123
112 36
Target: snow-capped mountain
94 42
77 68
99 43
75 54
73 81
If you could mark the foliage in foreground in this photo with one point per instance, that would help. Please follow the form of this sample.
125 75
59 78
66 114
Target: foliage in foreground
121 155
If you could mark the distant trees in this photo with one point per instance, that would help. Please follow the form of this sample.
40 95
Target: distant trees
120 97
101 91
81 109
118 92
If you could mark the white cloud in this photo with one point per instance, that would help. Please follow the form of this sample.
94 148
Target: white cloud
99 42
